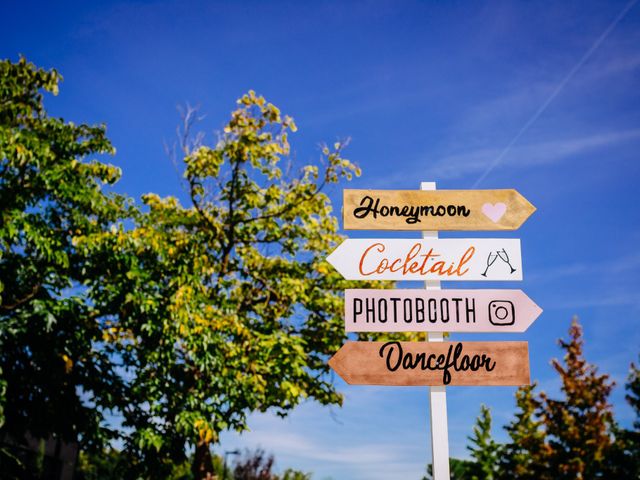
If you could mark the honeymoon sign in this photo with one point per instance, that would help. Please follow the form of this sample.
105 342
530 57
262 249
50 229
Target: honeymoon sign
435 210
433 259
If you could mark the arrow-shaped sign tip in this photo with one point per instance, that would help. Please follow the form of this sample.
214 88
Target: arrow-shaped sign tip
335 257
525 205
336 364
534 310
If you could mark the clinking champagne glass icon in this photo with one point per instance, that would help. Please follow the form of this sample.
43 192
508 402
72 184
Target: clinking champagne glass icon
490 259
505 258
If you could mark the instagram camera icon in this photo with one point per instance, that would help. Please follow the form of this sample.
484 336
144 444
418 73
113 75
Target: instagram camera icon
502 312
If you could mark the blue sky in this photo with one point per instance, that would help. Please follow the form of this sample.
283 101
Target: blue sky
426 91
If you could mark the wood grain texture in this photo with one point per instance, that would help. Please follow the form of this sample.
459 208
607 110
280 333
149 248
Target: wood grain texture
367 363
487 209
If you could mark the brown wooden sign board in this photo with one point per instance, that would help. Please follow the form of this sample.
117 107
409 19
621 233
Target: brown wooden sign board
433 363
434 210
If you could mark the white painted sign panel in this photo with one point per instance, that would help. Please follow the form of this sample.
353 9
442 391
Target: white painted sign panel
478 259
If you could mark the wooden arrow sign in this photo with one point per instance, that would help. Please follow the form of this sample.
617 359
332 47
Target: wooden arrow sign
417 310
433 363
434 210
428 259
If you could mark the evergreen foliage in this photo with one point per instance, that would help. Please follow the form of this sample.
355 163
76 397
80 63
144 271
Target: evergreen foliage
572 437
625 460
578 426
484 450
525 455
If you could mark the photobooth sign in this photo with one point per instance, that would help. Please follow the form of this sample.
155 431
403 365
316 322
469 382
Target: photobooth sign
414 310
434 363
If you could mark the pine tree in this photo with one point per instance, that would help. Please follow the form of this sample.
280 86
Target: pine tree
632 437
633 395
526 455
579 425
458 469
625 461
484 450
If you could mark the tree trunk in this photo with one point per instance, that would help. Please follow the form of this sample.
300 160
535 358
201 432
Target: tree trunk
202 467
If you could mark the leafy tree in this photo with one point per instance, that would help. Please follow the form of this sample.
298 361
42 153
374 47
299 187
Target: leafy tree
525 456
291 474
484 450
458 469
107 464
258 465
579 425
254 466
225 306
52 372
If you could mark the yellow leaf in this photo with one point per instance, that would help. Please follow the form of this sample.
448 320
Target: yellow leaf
68 363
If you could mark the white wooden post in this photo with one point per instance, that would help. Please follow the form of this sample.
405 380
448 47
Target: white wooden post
437 395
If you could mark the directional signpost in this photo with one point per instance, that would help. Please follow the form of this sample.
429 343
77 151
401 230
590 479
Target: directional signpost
413 310
435 210
434 363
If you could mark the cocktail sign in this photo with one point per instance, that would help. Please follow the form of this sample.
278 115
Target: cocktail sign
429 259
416 310
435 210
431 363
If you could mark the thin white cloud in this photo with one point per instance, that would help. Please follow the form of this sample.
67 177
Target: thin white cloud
556 91
542 153
619 64
615 300
613 266
558 272
304 446
488 120
313 441
538 154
